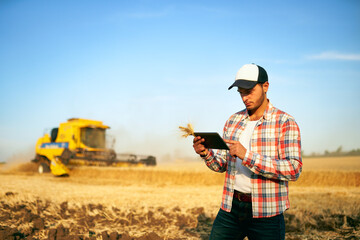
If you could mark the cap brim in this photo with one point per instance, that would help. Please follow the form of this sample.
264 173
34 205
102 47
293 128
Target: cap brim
243 84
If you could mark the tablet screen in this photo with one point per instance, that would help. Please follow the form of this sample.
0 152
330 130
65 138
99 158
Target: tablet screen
212 140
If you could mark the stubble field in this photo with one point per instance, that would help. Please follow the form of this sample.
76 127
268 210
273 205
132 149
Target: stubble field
170 201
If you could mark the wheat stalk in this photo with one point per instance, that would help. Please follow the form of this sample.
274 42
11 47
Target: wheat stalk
187 131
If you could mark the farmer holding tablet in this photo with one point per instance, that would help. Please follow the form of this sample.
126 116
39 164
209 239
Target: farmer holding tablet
264 155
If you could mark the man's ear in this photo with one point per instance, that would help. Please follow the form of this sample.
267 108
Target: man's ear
265 86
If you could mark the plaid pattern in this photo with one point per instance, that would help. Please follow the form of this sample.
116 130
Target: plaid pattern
274 158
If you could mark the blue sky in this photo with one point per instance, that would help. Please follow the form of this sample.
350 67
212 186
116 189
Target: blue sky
146 67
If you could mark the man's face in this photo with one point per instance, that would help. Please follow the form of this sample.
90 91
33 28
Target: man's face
254 97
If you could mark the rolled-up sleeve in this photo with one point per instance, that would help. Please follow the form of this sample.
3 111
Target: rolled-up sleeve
288 165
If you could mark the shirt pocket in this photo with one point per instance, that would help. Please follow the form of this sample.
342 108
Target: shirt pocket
264 140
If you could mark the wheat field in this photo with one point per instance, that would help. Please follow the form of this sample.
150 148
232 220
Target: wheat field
169 201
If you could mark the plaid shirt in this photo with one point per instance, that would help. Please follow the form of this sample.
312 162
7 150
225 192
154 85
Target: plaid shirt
274 159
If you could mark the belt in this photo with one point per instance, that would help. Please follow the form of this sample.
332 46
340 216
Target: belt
242 197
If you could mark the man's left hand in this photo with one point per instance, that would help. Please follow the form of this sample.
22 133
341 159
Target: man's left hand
236 149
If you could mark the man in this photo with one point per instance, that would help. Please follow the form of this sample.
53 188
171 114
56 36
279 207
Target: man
265 153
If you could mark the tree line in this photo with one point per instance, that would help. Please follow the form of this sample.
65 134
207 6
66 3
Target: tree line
337 153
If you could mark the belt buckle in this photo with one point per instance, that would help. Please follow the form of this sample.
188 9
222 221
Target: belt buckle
244 198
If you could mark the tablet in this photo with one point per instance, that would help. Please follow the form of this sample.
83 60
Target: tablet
212 140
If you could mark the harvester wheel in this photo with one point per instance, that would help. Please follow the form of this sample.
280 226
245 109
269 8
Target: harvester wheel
43 168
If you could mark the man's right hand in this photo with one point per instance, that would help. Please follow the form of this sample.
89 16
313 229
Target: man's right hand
199 146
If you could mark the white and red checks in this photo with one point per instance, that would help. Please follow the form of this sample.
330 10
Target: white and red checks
274 159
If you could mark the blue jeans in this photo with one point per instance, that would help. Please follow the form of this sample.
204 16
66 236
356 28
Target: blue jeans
239 223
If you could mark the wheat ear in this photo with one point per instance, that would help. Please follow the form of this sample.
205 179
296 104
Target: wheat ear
189 130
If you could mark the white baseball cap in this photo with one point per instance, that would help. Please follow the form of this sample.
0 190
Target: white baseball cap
249 75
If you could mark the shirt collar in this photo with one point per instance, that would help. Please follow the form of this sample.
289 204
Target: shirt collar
268 111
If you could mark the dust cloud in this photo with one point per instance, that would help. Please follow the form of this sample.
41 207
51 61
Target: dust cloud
19 161
167 148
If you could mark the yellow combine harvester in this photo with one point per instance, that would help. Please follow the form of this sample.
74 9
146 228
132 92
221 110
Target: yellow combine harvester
81 142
